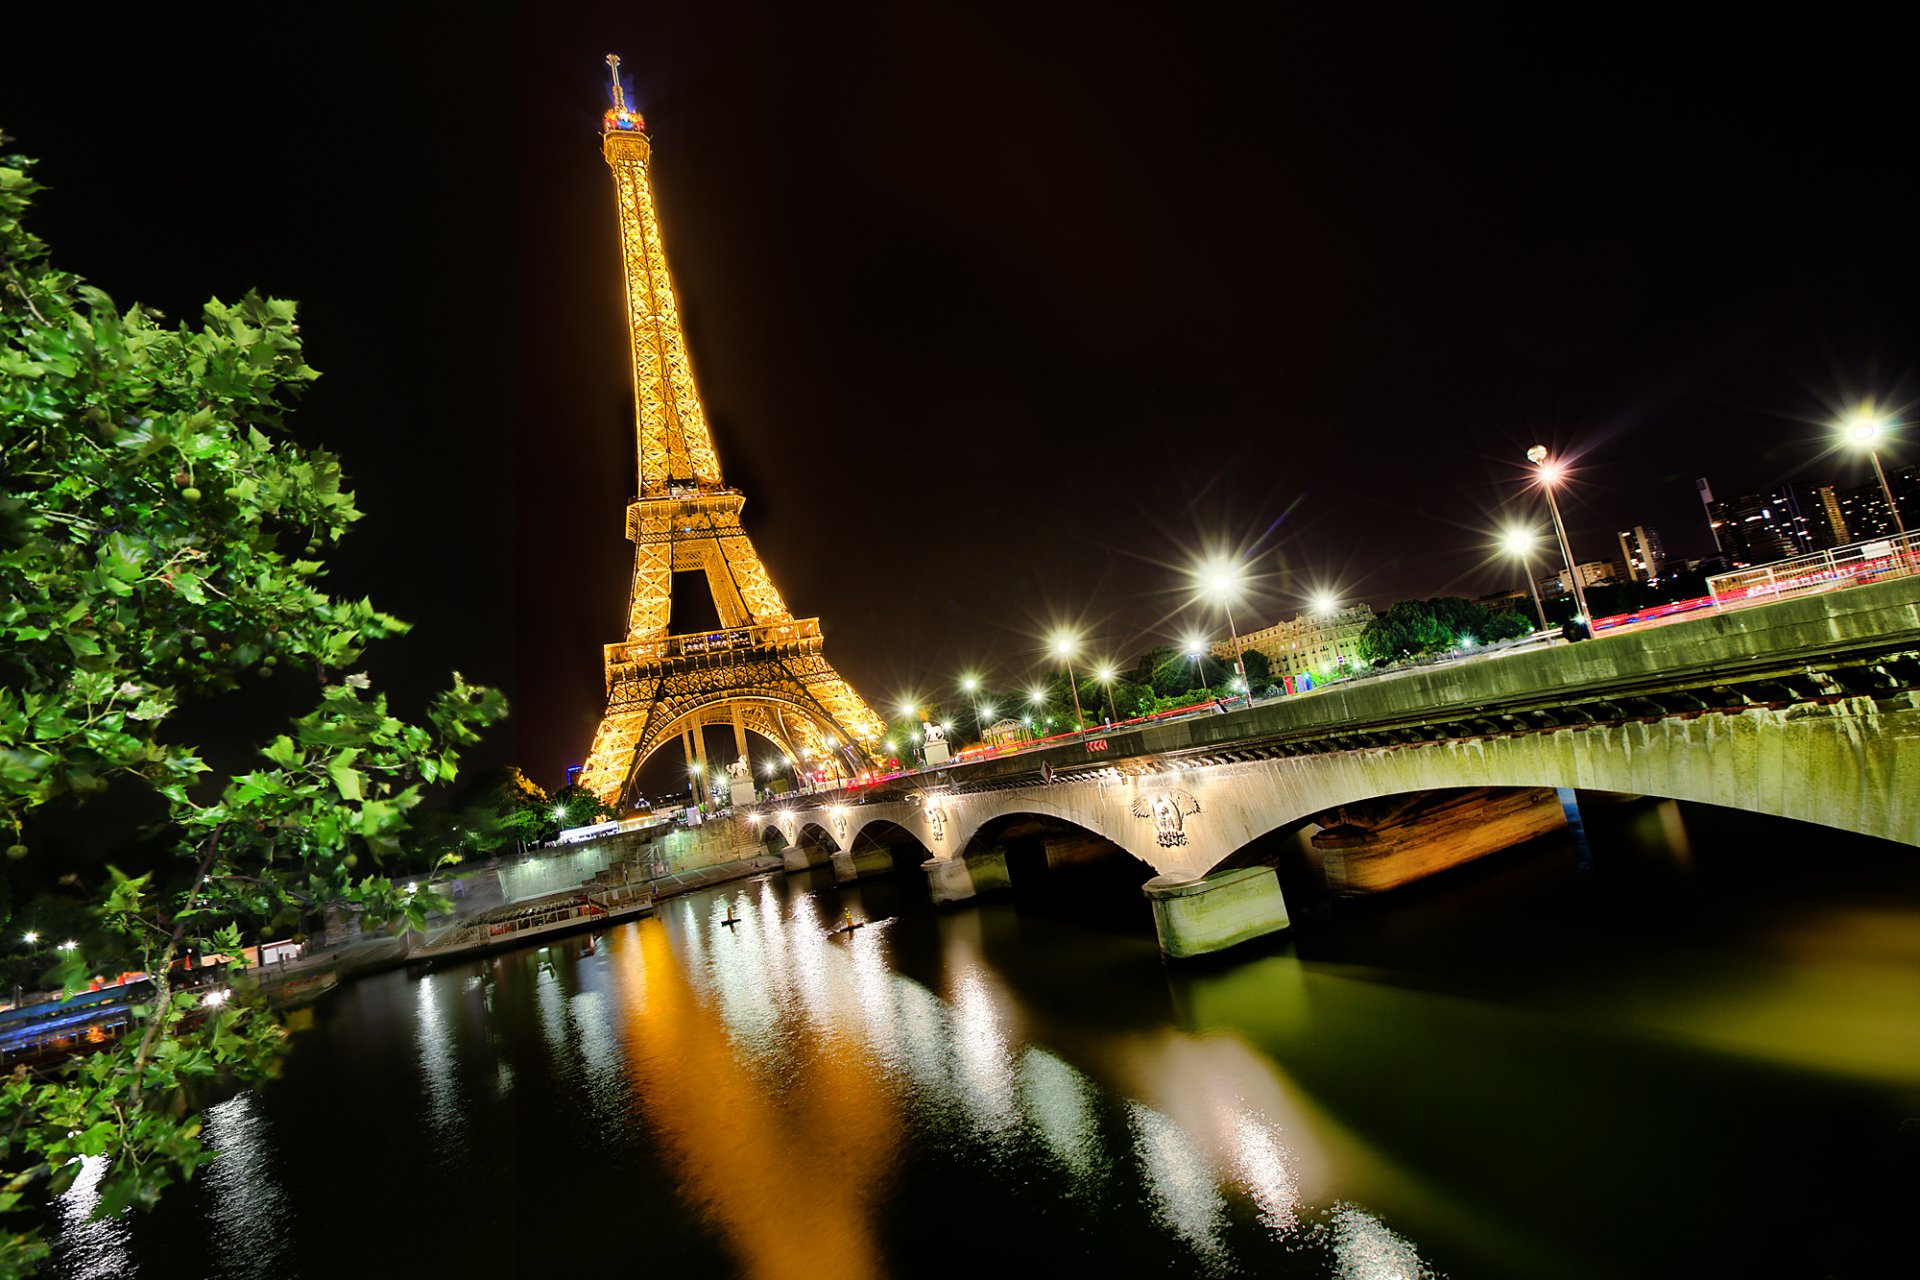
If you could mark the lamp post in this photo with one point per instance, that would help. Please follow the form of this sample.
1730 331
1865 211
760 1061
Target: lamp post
1063 645
1105 676
1197 650
1325 606
972 685
1222 581
1866 431
1550 473
1518 543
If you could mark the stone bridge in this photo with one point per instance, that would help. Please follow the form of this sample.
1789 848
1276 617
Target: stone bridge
1806 709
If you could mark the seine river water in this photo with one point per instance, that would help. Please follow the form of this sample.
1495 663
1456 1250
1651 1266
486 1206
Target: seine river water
1691 1048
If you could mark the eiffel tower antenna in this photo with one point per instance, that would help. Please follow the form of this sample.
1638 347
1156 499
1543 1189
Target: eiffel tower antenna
765 670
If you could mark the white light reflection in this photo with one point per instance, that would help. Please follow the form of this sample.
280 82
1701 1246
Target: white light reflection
738 971
1364 1248
88 1250
1059 1102
980 1044
251 1221
435 1042
592 1022
1184 1197
1264 1165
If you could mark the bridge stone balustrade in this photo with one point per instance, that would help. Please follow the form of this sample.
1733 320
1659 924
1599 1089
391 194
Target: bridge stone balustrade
1806 709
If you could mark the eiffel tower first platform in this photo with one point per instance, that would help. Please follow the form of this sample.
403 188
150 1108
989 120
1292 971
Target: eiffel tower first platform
765 671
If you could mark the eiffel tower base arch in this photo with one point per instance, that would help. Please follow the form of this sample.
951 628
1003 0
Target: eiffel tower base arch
795 700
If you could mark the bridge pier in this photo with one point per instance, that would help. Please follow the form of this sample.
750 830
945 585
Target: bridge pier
1199 917
861 864
961 879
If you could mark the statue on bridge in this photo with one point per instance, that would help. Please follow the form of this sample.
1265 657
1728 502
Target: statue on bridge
740 770
1169 813
934 733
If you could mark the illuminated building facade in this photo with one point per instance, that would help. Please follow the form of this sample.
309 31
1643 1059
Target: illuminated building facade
764 671
1312 644
1643 553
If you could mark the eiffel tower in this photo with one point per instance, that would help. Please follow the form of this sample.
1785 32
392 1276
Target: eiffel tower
764 671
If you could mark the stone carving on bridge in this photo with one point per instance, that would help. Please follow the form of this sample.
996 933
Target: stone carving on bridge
840 828
1169 813
740 770
935 733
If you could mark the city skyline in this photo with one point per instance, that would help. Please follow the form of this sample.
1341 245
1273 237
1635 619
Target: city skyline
1011 342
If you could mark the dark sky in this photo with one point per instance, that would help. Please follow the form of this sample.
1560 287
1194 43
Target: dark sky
1005 320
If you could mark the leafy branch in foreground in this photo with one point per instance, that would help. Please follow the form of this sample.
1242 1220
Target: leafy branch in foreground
149 499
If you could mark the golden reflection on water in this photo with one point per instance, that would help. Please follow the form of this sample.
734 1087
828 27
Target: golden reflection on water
748 1144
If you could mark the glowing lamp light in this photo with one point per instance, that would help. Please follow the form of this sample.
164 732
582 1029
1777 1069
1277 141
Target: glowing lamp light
32 937
695 770
214 999
1038 695
1865 429
1064 645
1517 541
1324 603
1103 675
908 709
969 684
68 945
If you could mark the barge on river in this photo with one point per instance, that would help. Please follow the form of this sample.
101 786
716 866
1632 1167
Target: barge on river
517 926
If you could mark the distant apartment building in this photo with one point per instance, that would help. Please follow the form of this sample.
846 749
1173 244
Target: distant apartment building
1759 528
1642 553
1863 508
1312 644
1592 574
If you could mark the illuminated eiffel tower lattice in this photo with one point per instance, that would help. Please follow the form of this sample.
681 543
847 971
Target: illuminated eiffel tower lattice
764 671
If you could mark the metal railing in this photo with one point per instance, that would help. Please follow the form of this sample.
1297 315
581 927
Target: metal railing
1852 565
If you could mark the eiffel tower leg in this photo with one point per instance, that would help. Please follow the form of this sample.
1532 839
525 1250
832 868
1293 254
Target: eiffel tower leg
611 756
739 732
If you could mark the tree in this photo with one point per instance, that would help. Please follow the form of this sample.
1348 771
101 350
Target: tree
575 806
160 540
1417 628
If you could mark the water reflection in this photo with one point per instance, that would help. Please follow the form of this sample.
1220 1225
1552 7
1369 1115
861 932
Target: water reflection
90 1248
434 1043
1485 1079
251 1226
1180 1182
1059 1102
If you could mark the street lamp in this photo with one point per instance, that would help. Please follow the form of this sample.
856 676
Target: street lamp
1105 676
1866 430
1325 605
1197 650
1518 542
972 685
1063 645
1222 582
1550 473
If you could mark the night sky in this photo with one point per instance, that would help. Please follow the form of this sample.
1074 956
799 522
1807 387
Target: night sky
1003 320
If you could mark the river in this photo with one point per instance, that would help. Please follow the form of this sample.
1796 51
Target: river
1691 1047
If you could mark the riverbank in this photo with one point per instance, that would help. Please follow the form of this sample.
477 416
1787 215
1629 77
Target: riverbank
375 953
